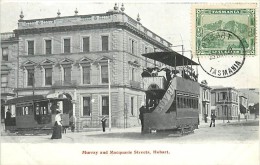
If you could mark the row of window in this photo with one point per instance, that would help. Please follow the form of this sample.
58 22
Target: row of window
48 77
227 96
227 111
187 102
66 45
87 111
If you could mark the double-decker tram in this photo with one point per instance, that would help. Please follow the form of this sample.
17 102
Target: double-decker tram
172 94
36 114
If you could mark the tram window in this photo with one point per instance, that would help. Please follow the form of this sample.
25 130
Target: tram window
42 111
191 103
184 102
45 110
26 110
37 111
178 102
30 110
19 111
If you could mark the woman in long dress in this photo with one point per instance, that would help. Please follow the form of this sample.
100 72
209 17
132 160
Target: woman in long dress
57 127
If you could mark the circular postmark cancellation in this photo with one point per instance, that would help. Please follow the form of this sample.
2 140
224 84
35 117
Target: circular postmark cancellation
225 53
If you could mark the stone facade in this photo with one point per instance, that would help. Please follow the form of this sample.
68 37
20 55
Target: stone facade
127 40
226 103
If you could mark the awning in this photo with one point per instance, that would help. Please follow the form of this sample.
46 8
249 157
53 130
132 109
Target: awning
24 99
169 58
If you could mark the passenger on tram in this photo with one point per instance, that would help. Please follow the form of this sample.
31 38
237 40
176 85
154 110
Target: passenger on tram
8 114
162 72
146 73
176 73
152 104
155 71
8 117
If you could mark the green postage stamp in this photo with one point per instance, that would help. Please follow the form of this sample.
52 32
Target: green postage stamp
229 29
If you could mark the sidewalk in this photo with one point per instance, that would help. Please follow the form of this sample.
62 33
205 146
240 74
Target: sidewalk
221 122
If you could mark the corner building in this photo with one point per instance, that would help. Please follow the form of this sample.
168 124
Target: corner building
225 99
74 56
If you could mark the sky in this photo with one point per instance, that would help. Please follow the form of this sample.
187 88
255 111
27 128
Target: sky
170 20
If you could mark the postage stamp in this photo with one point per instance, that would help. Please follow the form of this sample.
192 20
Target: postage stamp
225 31
223 36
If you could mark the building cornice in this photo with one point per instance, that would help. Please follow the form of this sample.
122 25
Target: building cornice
77 87
123 25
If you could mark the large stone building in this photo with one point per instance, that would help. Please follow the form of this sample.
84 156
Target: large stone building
75 55
226 103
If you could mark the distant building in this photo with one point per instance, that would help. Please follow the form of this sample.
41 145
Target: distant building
225 100
9 47
252 95
204 101
243 104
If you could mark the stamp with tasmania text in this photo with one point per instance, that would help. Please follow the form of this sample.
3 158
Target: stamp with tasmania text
223 35
240 22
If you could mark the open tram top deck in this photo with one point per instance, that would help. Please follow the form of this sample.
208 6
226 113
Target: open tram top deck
171 101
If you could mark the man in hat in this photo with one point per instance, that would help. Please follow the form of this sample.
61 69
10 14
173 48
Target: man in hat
141 115
103 121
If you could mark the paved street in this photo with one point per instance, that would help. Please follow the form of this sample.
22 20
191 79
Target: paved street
234 131
234 143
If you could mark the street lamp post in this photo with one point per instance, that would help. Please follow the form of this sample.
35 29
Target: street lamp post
227 107
109 97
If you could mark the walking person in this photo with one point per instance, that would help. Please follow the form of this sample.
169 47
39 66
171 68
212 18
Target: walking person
213 118
57 126
141 116
103 121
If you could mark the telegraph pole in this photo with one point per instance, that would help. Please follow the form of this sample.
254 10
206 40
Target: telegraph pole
109 95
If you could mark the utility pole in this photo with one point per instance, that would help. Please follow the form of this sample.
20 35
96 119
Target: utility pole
227 106
109 95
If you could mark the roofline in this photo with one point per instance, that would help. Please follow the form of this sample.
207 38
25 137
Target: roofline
226 88
206 86
107 13
92 26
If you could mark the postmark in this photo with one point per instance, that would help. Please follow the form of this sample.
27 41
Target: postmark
227 59
223 36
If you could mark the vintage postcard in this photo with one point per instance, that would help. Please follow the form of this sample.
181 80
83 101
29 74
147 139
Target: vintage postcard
169 82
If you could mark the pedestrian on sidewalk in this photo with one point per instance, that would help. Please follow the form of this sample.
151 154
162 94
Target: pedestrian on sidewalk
213 118
141 116
103 121
57 126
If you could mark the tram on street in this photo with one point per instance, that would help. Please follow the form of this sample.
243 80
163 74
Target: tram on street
36 114
172 94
